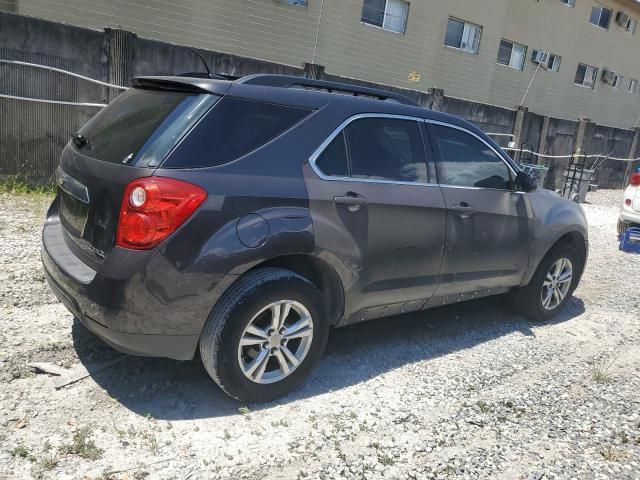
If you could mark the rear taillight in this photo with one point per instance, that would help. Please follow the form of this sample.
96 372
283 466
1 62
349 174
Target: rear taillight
627 202
635 179
153 208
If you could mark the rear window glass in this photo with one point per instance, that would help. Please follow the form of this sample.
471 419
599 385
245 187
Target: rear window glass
139 121
232 129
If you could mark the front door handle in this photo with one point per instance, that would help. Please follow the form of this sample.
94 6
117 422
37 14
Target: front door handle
352 201
464 210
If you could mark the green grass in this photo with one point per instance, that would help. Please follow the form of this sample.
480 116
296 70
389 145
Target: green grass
83 445
20 187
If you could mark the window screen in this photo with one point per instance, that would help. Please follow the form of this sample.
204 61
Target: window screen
334 161
465 161
600 16
232 129
388 14
512 54
462 35
386 149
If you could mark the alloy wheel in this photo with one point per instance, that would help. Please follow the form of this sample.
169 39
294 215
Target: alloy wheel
556 283
275 342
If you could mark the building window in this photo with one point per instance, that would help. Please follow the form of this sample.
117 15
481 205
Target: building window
633 86
569 3
626 22
554 62
388 14
463 35
300 3
512 54
601 16
617 81
586 75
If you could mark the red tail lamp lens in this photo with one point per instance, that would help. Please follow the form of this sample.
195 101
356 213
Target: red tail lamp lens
635 179
153 208
627 202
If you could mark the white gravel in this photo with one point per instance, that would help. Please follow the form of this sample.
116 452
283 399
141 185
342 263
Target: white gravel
469 391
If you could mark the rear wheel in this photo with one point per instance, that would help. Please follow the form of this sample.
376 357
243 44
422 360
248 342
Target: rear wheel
265 335
552 284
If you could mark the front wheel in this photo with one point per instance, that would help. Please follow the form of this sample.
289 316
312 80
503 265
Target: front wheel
265 335
552 284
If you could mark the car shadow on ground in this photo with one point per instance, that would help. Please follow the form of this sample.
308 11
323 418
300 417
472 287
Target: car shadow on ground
172 390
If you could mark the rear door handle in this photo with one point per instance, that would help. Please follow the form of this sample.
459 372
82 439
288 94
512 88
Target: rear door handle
353 202
464 210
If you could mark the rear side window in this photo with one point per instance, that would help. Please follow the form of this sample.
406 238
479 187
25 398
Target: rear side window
465 161
232 129
136 120
384 149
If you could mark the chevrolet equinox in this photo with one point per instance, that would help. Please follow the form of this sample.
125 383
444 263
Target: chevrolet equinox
246 218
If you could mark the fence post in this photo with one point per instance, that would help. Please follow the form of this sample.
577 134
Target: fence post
582 128
632 154
313 71
119 59
437 99
542 146
517 131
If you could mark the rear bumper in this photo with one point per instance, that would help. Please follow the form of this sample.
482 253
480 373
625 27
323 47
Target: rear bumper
137 302
629 216
178 347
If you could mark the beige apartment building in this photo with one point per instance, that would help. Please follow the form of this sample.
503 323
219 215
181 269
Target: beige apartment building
582 55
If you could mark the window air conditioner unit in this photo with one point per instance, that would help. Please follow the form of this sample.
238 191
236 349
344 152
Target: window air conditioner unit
622 19
609 77
539 56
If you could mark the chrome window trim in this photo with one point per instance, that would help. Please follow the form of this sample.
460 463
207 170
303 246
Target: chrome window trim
343 125
316 154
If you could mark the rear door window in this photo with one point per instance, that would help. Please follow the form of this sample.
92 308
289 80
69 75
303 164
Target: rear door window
232 129
334 161
382 149
387 149
138 120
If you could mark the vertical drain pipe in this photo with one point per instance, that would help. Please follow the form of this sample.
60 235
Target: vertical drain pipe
315 46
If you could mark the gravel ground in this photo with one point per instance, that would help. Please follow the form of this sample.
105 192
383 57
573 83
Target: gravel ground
469 391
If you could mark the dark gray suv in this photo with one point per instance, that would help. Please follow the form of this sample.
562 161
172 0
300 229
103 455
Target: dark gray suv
248 217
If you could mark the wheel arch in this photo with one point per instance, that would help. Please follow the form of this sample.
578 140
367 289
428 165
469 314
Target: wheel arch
574 238
318 272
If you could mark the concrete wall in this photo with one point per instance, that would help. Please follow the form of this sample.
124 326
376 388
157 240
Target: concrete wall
274 31
32 134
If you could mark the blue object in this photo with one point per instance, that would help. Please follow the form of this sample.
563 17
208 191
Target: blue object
630 240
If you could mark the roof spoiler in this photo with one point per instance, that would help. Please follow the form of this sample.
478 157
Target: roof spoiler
290 81
183 84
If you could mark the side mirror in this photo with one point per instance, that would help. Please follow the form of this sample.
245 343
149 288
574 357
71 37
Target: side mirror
526 182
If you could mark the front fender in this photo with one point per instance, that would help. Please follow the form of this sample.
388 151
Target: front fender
554 217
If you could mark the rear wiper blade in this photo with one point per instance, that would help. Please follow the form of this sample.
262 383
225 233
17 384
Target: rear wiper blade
79 140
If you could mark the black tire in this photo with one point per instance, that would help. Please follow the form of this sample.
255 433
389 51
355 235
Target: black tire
528 300
221 335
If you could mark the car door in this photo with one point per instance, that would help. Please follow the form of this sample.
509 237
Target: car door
377 218
488 223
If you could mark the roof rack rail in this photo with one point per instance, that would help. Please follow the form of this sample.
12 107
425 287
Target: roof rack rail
289 81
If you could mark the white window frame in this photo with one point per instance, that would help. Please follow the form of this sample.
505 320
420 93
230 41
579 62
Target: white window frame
524 55
593 76
553 64
569 3
601 7
385 16
633 86
618 81
475 49
632 25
